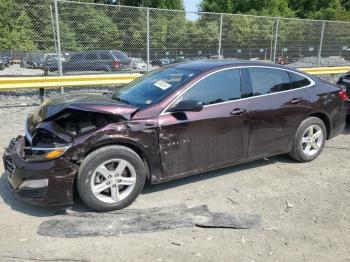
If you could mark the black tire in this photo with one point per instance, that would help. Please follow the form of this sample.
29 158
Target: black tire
96 158
297 151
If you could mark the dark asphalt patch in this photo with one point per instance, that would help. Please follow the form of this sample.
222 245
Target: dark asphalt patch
142 221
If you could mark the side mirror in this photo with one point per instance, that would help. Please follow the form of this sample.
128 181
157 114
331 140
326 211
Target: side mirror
187 105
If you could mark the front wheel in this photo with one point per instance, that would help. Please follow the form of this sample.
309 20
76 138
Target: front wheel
111 178
309 140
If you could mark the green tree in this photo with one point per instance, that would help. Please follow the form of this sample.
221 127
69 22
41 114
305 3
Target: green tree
91 27
335 11
225 6
314 9
164 4
15 27
254 7
39 13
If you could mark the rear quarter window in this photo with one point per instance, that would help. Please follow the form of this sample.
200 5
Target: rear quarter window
298 81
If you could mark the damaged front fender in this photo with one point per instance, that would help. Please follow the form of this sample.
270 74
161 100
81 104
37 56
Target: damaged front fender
141 136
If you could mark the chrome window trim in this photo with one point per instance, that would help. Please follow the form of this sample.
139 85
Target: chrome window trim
312 83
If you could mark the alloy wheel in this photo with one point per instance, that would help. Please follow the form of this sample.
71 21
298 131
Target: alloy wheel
312 140
113 180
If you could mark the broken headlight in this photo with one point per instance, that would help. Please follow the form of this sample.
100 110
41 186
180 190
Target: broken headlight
36 153
45 146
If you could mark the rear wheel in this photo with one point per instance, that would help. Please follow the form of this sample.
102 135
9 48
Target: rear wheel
309 140
111 178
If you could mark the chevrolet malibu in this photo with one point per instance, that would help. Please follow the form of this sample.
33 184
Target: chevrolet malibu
173 122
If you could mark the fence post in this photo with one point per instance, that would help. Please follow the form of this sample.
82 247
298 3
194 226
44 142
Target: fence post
321 43
271 43
220 35
147 22
53 29
276 36
58 36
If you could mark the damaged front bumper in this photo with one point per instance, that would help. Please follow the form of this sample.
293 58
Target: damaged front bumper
48 182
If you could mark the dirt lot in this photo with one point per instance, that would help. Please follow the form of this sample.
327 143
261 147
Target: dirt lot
304 207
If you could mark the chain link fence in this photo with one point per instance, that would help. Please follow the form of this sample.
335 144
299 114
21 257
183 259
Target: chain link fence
59 37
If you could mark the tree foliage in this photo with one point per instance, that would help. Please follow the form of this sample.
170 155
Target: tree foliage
320 9
28 25
15 27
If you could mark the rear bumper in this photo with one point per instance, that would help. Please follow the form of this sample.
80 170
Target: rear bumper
59 173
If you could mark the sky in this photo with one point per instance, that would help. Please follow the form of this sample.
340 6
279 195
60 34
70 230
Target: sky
190 6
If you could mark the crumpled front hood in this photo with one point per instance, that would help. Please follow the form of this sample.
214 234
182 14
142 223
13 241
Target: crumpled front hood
86 102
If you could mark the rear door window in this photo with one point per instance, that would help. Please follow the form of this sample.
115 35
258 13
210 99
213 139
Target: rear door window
268 80
219 87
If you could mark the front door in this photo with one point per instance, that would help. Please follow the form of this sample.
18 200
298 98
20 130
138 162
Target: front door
214 137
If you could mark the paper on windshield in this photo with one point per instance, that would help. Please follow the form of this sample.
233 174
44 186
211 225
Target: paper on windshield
162 84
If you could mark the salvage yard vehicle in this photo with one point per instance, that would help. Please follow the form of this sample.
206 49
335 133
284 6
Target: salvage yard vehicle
6 59
176 121
33 60
2 64
344 82
95 60
139 64
161 62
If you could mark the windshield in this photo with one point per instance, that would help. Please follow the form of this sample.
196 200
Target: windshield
151 88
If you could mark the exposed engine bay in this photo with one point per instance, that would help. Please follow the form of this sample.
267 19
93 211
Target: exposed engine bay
77 122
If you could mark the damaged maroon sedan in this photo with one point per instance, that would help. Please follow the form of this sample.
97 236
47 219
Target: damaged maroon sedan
177 121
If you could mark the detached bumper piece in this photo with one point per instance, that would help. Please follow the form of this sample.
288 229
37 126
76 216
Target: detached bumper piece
48 182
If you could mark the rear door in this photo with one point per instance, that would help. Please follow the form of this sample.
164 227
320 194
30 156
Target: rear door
216 136
278 104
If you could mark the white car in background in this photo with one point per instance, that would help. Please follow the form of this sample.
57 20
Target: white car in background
139 64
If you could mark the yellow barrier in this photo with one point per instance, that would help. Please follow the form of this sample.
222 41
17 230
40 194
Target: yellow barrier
62 81
326 70
7 83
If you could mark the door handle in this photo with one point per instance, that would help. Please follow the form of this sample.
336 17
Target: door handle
237 112
296 100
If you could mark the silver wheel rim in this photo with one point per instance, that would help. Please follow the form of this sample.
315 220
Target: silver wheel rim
312 140
113 180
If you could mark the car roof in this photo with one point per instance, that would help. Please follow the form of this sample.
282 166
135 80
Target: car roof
214 64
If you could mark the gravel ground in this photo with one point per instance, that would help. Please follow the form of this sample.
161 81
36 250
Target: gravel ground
324 61
16 70
304 207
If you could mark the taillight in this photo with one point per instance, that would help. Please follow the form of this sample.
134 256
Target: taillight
343 95
116 64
